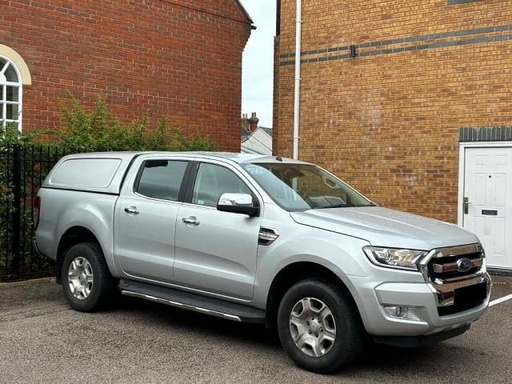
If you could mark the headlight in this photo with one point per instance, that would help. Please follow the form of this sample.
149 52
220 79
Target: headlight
394 258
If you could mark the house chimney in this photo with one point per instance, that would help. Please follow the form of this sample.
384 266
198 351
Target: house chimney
245 122
253 122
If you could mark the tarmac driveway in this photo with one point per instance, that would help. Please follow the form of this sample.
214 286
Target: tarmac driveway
43 341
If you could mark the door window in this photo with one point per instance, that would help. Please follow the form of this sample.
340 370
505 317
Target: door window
161 179
212 181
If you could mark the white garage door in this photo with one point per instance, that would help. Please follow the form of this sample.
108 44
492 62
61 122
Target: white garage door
488 201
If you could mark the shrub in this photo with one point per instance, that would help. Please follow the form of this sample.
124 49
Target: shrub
100 130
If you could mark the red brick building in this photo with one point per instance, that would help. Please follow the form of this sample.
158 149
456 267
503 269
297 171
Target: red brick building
393 96
182 58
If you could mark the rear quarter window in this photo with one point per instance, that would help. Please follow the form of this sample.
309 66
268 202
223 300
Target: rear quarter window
88 173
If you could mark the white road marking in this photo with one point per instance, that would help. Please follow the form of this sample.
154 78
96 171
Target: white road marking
500 300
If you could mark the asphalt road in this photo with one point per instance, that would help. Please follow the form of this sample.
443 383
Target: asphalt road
43 341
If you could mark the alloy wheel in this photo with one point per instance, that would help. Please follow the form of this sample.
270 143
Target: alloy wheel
312 327
80 278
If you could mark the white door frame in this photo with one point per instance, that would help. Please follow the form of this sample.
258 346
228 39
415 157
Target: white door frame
462 168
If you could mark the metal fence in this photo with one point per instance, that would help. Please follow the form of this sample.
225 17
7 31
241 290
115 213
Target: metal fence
22 171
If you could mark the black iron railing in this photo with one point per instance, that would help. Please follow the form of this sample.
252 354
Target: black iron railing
22 171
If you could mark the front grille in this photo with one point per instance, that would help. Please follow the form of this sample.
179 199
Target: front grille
458 277
447 268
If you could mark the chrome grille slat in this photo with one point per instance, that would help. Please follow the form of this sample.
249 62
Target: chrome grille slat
452 267
459 279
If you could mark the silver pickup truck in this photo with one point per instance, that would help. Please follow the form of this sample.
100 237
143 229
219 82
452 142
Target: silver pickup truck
258 239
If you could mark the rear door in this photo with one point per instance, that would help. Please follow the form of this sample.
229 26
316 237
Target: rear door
145 218
216 251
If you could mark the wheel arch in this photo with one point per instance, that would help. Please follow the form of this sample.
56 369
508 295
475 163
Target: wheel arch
72 236
292 274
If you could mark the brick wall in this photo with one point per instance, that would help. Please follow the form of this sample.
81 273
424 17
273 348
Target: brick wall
388 120
182 58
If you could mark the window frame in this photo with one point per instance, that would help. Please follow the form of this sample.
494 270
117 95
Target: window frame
5 65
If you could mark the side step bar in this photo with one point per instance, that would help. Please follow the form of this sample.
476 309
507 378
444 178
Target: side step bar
193 302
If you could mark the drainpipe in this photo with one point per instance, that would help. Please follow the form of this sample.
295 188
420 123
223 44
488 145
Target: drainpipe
296 97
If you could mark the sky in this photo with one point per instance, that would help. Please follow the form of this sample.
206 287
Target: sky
258 61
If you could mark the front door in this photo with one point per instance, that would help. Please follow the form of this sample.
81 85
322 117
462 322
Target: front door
488 201
216 251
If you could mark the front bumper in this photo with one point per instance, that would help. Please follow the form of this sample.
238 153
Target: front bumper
416 309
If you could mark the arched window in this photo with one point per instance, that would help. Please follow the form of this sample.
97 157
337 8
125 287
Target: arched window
10 94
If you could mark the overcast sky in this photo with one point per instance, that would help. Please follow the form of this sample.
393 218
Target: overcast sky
258 61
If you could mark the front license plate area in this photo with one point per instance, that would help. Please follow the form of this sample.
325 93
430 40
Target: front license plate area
466 298
472 296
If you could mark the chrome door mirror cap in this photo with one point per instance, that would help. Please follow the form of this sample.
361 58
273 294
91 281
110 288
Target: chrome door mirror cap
238 203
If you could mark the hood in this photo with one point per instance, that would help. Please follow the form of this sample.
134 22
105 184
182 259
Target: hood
386 227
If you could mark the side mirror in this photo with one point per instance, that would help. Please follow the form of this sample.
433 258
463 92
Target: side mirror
238 203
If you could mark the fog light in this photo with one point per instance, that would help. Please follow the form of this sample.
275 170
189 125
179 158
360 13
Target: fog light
400 312
397 311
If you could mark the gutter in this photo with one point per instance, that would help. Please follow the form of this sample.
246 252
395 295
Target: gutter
296 97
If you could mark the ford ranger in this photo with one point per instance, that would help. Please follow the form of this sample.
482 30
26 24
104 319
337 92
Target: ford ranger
258 239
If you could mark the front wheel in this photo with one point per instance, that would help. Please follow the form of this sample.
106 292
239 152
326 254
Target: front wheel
319 327
86 280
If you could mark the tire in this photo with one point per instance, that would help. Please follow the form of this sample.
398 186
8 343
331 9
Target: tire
86 280
319 327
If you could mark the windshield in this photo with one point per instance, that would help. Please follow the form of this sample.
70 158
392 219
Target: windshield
299 187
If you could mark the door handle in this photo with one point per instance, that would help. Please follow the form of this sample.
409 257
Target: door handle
191 220
465 205
132 210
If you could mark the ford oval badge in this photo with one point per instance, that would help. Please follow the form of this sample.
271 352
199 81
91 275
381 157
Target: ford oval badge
464 265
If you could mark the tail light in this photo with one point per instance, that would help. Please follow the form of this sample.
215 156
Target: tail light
36 211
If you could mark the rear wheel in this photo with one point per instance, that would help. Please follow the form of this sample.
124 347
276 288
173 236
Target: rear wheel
86 280
319 327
